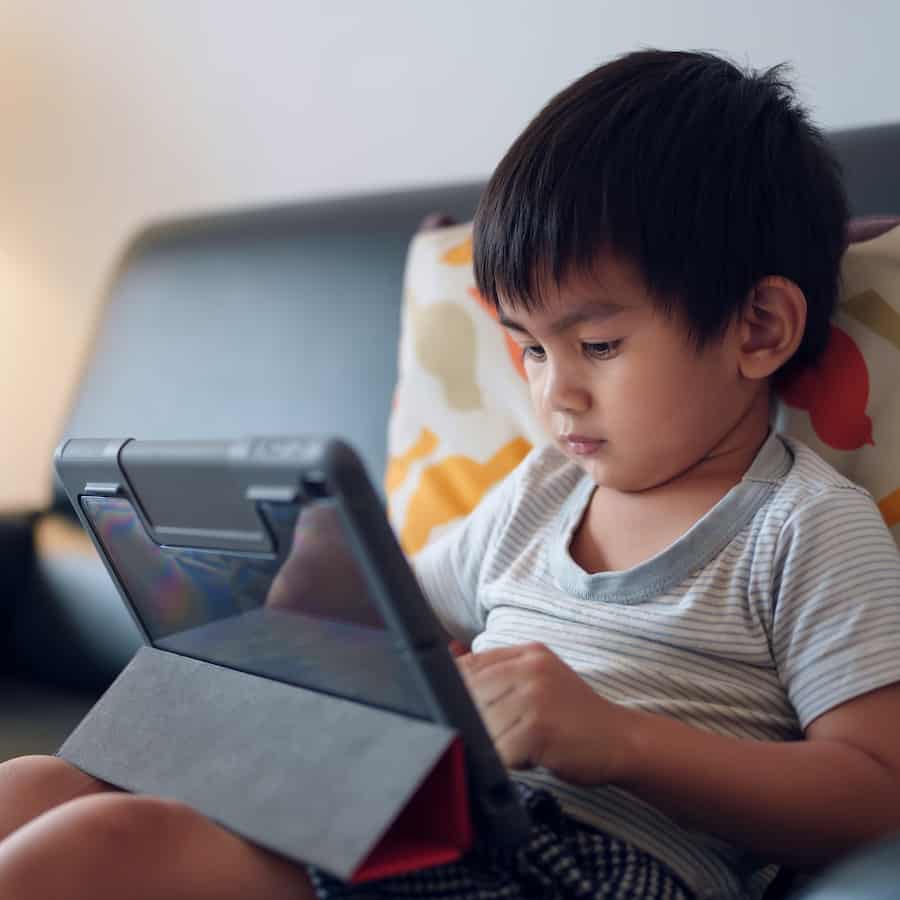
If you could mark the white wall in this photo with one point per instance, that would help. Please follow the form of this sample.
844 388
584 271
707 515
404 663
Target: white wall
114 112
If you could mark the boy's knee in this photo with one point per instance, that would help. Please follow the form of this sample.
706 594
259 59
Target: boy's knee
134 824
45 775
99 845
30 767
95 842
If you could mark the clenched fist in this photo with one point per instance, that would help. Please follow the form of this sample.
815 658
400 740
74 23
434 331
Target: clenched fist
540 712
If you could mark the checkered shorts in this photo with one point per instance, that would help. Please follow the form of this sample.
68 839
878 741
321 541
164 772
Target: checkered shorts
562 860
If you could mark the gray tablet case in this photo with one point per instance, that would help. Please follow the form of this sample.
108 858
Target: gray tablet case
365 770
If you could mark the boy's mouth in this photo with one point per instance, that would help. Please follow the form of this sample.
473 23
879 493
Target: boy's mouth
581 444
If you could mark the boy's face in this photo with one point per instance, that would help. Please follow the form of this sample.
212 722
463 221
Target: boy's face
620 386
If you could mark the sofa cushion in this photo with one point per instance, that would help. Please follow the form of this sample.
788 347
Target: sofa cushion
462 417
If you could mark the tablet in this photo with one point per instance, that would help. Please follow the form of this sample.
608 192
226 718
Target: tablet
274 557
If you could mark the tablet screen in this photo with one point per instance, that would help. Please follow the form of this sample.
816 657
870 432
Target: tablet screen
303 615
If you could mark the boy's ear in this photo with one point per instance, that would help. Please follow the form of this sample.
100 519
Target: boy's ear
771 326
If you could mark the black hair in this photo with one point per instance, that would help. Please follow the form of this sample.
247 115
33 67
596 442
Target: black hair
704 176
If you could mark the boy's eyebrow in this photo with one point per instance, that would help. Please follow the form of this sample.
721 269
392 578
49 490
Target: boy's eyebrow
585 313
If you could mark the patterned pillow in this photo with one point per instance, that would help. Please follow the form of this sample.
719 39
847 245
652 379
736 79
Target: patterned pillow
462 417
848 409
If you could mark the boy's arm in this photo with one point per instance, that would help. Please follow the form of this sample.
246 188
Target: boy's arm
835 633
801 803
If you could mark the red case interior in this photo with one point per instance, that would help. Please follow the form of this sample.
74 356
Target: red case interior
434 828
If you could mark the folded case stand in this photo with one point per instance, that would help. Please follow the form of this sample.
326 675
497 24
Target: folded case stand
360 792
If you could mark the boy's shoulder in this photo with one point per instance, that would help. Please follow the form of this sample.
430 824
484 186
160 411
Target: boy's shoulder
810 475
544 472
811 488
540 488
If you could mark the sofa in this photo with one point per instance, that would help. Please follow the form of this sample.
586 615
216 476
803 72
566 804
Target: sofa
277 320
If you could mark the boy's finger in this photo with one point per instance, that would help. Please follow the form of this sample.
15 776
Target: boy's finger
481 661
458 648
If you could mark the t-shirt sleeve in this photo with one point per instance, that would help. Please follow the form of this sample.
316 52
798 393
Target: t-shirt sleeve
836 622
449 569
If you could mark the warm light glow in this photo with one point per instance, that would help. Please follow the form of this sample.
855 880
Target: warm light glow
34 360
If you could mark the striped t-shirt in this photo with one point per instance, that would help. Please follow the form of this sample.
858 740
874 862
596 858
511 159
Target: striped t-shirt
782 602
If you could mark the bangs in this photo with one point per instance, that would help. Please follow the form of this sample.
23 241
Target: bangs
538 226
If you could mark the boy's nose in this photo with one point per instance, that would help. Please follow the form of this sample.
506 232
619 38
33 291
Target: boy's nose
565 392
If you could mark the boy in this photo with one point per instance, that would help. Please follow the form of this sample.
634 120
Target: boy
684 627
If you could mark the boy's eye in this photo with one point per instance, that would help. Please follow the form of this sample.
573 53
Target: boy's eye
533 351
601 349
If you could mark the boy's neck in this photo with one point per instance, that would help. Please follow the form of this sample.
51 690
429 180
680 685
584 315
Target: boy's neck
621 529
724 464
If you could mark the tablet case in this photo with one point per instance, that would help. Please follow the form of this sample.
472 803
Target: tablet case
360 792
354 789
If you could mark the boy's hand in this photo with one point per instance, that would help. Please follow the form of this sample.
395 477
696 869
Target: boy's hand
540 712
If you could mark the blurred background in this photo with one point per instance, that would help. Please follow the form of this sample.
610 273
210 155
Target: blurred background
114 114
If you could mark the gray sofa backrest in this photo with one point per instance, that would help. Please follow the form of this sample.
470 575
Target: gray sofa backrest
871 160
270 321
286 320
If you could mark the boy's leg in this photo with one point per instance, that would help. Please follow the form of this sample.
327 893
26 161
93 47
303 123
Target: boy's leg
30 785
116 845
